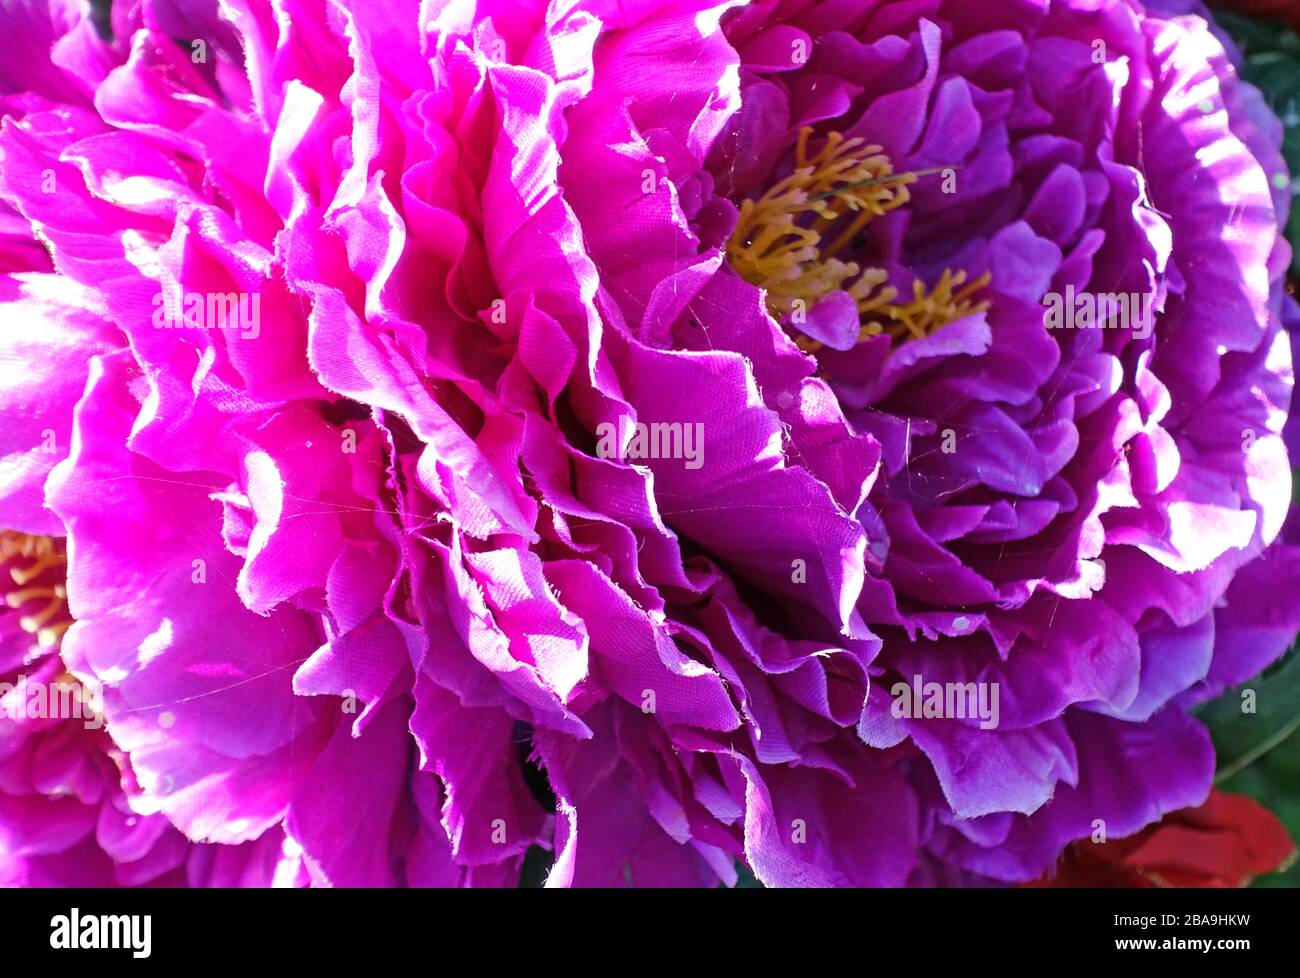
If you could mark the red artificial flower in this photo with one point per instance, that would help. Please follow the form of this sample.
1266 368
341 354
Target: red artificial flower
1226 842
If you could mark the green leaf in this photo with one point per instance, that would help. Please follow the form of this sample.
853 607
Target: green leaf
1259 752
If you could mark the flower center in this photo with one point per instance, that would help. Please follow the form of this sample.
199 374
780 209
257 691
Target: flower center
36 564
787 243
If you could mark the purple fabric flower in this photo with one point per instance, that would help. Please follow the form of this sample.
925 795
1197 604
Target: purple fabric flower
65 816
492 426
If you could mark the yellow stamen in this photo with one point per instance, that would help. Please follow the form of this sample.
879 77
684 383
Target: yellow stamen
13 544
52 596
778 243
50 636
929 312
771 249
31 557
